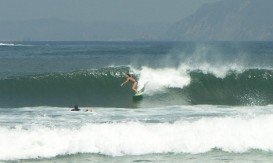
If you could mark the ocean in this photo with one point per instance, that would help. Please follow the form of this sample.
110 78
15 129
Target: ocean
203 102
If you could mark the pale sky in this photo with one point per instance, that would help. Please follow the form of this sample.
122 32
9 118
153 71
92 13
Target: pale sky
131 11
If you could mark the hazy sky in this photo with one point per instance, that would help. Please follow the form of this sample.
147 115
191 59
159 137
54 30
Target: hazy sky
133 11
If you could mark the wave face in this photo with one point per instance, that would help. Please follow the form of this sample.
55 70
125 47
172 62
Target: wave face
168 86
228 134
251 87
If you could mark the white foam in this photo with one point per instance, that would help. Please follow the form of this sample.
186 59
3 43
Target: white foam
158 79
12 44
204 59
136 138
6 44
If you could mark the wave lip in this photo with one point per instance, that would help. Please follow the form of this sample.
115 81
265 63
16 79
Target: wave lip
12 44
230 134
7 44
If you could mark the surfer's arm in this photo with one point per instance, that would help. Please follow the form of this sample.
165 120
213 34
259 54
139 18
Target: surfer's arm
124 82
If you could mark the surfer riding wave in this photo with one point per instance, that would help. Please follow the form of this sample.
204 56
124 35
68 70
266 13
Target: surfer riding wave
130 78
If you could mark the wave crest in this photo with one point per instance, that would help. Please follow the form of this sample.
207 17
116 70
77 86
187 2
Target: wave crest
136 138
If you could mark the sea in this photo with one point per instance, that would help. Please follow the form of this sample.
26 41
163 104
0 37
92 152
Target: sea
203 102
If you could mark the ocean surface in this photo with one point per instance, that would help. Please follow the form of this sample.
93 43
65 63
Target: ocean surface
203 102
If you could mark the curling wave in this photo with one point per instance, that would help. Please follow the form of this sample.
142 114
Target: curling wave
167 86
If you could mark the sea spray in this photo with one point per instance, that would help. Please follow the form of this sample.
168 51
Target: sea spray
156 80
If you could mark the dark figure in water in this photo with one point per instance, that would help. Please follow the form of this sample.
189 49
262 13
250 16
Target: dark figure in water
76 108
131 79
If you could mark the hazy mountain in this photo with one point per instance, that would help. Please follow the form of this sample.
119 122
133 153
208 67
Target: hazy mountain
61 30
237 20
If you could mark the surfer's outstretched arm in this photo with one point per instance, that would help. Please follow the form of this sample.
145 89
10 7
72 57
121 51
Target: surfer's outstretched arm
124 82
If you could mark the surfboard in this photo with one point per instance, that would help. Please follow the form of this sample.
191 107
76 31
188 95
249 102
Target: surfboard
140 92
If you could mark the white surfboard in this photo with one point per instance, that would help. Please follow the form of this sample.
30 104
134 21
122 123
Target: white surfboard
141 91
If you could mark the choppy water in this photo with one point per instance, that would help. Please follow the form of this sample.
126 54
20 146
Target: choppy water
202 101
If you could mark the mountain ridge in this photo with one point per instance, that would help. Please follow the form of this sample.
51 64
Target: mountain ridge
232 20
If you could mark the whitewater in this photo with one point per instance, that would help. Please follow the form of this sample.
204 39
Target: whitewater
203 101
119 132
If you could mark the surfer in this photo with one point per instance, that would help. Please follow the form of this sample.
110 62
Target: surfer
76 108
131 79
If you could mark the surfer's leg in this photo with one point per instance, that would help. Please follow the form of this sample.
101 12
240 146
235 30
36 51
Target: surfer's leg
134 87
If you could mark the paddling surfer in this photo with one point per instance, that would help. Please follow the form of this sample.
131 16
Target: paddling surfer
76 108
130 78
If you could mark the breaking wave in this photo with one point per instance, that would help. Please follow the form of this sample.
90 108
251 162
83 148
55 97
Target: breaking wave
167 86
230 134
